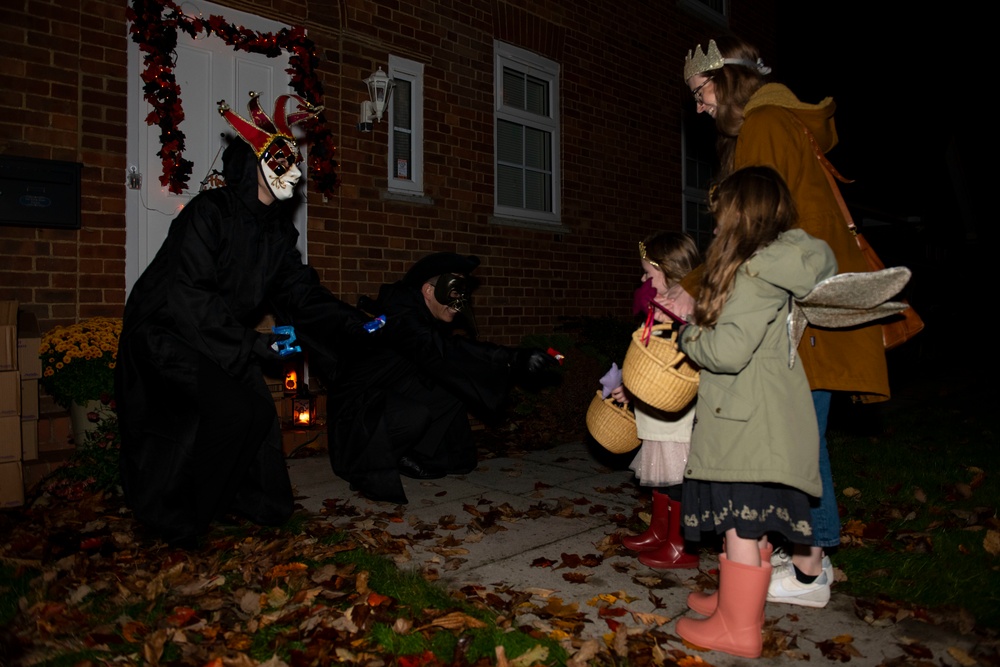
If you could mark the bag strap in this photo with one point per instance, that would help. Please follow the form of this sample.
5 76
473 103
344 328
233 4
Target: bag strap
831 172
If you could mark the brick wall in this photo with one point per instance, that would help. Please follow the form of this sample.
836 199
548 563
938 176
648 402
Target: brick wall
63 96
62 73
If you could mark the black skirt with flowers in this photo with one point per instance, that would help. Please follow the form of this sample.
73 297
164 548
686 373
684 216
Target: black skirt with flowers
752 509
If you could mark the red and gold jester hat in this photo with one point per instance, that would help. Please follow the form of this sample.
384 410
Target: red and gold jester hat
271 140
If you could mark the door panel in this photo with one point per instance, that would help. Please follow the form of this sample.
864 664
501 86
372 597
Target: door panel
207 71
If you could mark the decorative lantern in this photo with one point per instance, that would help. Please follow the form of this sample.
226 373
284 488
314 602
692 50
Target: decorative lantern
291 380
379 90
303 410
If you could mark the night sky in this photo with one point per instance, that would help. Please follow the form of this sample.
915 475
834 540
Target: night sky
897 110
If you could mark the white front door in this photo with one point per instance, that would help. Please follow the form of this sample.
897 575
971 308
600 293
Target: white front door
208 70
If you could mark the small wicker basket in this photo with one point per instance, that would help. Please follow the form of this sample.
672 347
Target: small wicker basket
612 425
657 372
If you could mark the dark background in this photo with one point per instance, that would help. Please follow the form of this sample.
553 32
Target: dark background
915 117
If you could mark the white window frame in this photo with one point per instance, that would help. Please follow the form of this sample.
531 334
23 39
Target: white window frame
411 71
507 55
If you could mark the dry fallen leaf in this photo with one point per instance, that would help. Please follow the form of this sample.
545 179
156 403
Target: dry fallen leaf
576 577
991 543
537 655
456 620
840 648
361 582
647 618
587 650
961 656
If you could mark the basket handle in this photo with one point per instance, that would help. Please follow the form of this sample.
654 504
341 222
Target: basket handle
650 326
621 407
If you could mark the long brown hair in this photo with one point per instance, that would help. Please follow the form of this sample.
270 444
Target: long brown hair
751 207
733 85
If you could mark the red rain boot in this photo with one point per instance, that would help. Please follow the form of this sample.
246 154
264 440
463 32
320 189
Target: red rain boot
736 625
659 526
670 554
705 603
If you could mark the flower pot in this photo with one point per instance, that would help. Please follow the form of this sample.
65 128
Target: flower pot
78 420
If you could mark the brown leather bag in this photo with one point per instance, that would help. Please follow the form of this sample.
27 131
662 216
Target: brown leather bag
900 328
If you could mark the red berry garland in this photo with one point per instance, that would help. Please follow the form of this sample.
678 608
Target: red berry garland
154 28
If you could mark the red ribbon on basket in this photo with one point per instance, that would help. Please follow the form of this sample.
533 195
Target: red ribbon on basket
648 327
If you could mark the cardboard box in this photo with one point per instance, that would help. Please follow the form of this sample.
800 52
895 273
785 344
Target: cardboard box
29 342
10 439
29 399
10 393
29 439
8 335
11 485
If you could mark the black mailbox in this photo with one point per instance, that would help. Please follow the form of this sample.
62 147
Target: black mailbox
39 193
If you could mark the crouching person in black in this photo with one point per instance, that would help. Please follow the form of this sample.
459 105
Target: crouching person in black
401 405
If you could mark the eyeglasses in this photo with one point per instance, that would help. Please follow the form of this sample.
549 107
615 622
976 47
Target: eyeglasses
698 99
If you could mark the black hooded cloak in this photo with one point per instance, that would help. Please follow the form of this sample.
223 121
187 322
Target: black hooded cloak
200 434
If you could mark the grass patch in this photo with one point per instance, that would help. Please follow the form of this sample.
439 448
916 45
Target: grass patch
414 596
303 593
918 488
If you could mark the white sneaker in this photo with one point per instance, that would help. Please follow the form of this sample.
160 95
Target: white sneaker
780 557
786 588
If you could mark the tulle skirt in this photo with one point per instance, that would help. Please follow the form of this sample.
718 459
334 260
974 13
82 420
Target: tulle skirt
660 463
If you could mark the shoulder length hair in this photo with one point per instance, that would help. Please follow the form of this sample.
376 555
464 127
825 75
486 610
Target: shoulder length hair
751 207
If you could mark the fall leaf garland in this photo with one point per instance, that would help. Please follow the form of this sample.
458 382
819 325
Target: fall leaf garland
154 26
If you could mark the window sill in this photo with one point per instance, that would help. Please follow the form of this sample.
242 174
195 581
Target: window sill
405 197
538 225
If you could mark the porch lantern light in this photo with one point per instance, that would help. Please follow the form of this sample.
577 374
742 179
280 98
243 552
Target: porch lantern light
379 90
303 410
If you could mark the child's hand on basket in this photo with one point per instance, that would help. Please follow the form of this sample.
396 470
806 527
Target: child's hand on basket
618 393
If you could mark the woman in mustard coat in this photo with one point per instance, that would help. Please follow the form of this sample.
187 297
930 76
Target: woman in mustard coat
764 124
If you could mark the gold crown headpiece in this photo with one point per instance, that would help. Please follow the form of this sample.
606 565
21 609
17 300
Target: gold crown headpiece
646 257
698 61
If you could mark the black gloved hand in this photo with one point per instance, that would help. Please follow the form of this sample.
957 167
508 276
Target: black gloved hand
262 347
531 361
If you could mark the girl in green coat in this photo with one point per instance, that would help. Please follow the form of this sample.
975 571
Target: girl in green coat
754 459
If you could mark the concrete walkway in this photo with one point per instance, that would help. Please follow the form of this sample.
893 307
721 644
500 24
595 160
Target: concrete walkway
538 531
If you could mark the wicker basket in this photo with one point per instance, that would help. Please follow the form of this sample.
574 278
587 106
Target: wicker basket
612 425
658 373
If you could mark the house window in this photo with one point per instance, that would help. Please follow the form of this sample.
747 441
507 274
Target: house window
527 183
406 120
700 164
714 12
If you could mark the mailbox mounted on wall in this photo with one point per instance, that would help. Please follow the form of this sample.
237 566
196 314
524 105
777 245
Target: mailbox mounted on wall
39 193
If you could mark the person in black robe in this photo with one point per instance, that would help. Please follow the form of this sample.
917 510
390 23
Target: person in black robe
403 402
200 436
